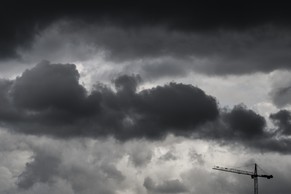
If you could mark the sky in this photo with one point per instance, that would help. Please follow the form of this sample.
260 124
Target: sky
144 97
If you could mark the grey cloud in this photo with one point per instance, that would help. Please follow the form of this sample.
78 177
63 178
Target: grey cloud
157 51
280 89
58 166
182 17
169 156
111 172
42 169
196 157
282 119
54 162
51 87
48 99
281 96
242 126
245 123
167 186
84 168
140 155
164 67
237 124
6 111
127 84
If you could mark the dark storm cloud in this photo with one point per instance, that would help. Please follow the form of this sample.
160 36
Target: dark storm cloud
282 120
238 124
48 100
157 51
168 186
187 31
127 84
47 86
245 123
242 126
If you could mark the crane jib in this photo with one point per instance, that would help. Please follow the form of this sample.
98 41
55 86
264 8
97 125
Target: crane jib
254 175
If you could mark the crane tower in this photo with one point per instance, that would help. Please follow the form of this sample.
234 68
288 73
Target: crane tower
254 175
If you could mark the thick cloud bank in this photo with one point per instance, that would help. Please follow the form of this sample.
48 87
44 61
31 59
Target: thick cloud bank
49 100
209 39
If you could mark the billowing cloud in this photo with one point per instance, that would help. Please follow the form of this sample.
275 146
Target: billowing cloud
282 120
245 123
49 100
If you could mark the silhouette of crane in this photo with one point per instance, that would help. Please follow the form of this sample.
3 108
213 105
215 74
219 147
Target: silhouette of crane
254 175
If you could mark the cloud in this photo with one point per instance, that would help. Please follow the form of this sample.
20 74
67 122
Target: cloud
168 186
127 84
281 96
166 43
87 165
242 126
42 169
5 110
169 156
177 16
157 51
282 119
140 155
196 157
237 124
74 166
245 123
48 99
50 87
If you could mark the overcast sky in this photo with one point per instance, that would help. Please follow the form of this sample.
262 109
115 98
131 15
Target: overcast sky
144 98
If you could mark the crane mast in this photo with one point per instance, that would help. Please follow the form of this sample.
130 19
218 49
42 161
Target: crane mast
254 175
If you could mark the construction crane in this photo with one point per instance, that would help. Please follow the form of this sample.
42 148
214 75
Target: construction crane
254 175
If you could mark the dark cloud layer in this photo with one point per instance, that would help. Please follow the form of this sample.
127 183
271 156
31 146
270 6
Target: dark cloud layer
49 100
157 51
152 39
21 23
